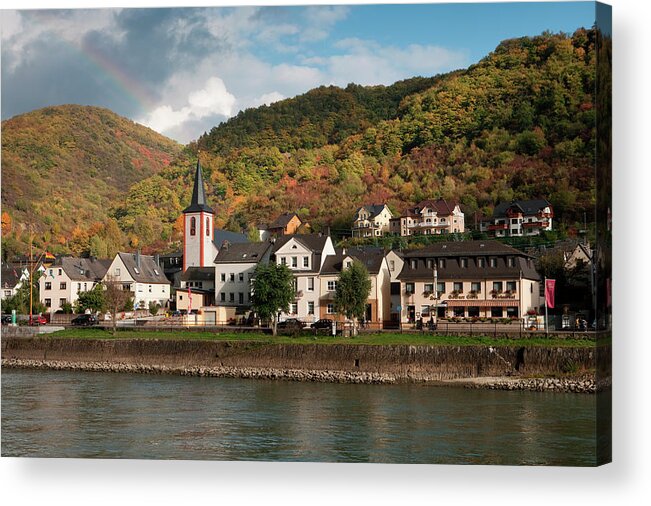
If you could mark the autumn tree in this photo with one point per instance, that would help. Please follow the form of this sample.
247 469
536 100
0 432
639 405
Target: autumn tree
117 299
273 291
353 289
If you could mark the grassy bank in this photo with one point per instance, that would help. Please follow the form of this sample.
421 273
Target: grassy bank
372 339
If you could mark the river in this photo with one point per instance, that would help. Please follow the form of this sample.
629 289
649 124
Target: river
138 416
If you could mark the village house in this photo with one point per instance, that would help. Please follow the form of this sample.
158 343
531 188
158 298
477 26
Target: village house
305 255
12 278
519 218
285 224
371 221
63 281
378 302
197 289
142 276
233 273
429 217
468 279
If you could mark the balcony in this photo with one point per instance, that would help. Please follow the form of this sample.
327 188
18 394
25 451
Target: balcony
499 226
536 224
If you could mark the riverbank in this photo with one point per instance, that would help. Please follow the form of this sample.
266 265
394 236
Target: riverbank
583 384
337 363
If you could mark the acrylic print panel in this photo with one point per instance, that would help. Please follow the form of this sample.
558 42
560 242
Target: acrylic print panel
348 233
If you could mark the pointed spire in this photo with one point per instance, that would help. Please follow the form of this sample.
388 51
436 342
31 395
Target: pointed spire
198 202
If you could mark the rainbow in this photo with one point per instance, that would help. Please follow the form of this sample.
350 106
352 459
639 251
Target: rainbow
109 68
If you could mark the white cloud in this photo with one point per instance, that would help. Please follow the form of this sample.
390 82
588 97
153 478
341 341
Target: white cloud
212 100
268 98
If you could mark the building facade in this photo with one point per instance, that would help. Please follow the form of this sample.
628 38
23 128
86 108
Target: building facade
143 277
199 249
63 281
371 221
429 217
519 218
482 279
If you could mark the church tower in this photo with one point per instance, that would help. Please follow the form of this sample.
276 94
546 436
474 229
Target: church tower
198 228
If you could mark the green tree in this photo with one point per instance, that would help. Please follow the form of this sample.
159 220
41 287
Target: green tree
273 291
153 308
93 300
353 289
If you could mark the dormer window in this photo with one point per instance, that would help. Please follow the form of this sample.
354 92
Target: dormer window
511 261
137 271
156 272
463 262
481 262
441 263
492 262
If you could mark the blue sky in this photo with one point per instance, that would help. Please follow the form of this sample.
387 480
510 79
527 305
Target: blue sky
182 71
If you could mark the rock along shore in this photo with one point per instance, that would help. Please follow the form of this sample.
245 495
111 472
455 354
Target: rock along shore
585 384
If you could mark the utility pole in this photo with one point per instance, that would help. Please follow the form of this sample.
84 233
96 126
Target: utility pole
31 272
436 295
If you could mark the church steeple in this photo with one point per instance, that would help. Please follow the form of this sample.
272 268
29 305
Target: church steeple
198 203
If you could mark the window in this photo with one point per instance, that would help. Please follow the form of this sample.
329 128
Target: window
51 272
117 271
231 297
512 312
497 312
232 276
223 276
430 263
78 287
463 262
62 301
240 297
511 262
7 293
310 308
149 286
48 285
481 262
330 309
442 263
306 261
283 261
459 311
136 270
429 287
332 286
440 287
473 311
409 287
60 272
241 277
497 286
207 226
458 287
414 263
510 286
294 261
62 285
310 284
48 302
193 226
493 262
392 265
85 287
475 286
293 308
222 296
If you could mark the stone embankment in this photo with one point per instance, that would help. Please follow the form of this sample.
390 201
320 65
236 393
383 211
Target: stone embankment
585 384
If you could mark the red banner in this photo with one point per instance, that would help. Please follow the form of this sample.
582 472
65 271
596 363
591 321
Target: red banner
550 284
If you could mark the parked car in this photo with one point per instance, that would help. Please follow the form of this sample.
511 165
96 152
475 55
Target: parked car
291 324
37 319
6 319
85 320
324 323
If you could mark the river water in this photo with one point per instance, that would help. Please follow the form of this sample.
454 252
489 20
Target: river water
114 415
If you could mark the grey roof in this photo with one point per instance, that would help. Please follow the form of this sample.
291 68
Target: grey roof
371 258
452 252
148 272
528 207
373 209
198 202
198 274
467 248
10 276
251 252
314 242
227 235
83 269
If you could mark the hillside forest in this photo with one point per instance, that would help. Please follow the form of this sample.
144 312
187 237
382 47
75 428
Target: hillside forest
518 124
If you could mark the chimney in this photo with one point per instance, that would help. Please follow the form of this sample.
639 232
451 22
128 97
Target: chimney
138 258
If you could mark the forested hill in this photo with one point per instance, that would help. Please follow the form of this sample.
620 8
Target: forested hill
325 115
64 167
518 124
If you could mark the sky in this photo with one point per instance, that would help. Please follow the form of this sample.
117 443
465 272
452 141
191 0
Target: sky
182 71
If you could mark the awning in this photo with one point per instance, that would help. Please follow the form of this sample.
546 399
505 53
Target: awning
483 302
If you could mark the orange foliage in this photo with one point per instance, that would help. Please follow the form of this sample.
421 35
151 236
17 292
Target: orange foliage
6 223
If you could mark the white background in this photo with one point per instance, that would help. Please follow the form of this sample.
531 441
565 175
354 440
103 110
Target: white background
626 481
